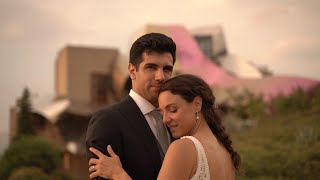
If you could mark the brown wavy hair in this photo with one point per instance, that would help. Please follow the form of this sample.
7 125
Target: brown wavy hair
190 86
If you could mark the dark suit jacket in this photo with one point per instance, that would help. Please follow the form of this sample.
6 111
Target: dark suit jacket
124 127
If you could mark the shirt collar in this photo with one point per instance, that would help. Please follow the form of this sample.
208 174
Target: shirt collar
144 105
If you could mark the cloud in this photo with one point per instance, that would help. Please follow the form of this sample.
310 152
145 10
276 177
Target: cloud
273 15
29 24
303 47
293 18
299 56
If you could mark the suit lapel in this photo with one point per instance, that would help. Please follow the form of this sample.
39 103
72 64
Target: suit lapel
137 121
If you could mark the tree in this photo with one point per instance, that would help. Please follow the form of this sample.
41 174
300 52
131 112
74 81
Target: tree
24 120
26 173
265 71
30 151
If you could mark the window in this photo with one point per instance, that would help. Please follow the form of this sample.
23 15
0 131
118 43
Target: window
205 43
101 85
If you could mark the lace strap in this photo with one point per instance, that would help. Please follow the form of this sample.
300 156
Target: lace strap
202 171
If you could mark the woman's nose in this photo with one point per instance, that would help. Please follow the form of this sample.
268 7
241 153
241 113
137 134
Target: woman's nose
165 119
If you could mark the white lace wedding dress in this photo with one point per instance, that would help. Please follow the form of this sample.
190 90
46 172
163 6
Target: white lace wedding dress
202 172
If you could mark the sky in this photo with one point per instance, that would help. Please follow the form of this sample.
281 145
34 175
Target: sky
282 35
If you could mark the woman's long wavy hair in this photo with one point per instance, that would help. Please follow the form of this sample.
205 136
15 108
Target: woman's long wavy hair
188 87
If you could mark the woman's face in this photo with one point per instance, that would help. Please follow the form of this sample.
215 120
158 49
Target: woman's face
178 114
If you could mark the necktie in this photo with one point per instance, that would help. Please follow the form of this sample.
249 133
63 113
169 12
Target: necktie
161 129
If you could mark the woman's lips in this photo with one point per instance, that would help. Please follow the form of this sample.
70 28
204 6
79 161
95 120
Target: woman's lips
172 127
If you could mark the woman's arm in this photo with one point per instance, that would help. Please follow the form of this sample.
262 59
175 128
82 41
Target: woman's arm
180 161
107 167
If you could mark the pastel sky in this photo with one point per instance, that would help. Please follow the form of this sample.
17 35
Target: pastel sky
283 35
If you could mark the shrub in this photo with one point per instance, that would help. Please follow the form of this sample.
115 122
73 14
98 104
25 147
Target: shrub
29 151
61 175
286 147
27 173
247 105
297 101
315 98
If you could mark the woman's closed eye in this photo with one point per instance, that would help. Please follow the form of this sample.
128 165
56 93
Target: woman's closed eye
173 110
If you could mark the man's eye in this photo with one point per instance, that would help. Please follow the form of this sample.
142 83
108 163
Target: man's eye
167 69
151 67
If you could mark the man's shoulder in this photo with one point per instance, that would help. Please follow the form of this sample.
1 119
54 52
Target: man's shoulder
127 101
114 109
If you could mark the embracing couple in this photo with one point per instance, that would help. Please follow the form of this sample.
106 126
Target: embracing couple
167 128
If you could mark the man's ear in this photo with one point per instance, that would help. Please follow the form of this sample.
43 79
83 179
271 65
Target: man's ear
132 71
197 102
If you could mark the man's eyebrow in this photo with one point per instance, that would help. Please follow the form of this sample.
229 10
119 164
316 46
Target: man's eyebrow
151 64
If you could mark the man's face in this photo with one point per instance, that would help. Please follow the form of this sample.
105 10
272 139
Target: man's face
153 70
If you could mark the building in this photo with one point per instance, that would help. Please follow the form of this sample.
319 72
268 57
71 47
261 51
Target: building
86 79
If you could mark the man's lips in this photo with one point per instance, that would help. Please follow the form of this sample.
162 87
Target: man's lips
157 87
156 84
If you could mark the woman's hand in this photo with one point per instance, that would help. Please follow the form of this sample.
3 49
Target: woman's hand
106 167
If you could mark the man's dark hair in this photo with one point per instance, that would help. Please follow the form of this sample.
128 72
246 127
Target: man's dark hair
152 42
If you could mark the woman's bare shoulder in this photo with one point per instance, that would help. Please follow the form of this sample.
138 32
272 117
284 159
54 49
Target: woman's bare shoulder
183 143
180 161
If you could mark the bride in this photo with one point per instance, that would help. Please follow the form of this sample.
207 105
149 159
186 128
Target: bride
204 149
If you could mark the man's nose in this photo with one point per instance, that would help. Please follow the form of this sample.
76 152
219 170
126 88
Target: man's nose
160 75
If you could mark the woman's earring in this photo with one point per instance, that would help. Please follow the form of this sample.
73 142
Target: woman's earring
197 115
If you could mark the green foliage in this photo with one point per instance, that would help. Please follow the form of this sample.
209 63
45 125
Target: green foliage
248 105
283 144
61 175
297 101
27 173
264 70
24 120
29 152
275 149
315 98
256 107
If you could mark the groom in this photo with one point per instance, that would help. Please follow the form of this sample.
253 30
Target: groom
132 127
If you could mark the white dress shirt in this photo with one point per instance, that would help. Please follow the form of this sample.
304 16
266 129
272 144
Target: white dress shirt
146 107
